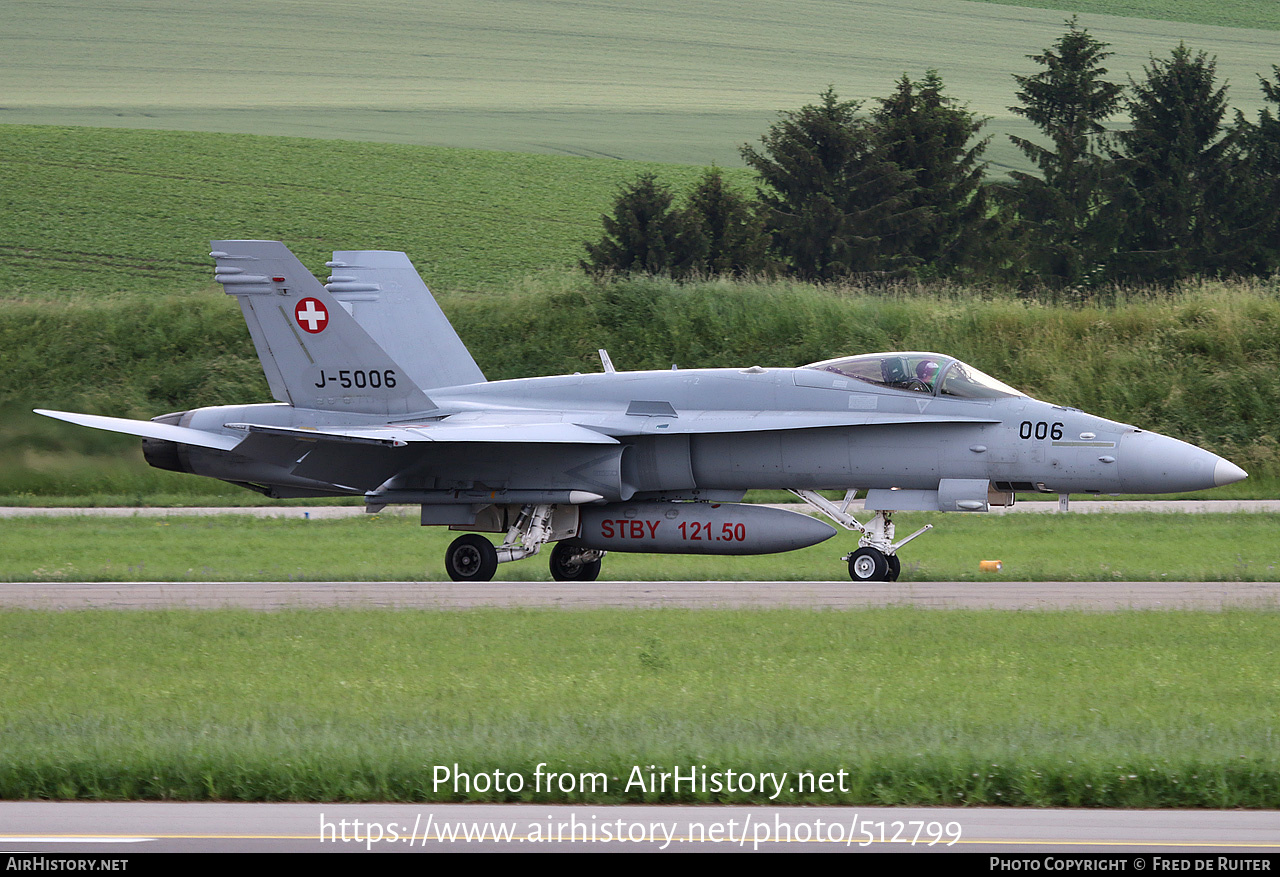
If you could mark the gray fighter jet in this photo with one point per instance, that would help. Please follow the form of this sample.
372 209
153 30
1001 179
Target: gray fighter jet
378 397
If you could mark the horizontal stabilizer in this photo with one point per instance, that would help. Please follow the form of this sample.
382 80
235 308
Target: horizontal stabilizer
148 429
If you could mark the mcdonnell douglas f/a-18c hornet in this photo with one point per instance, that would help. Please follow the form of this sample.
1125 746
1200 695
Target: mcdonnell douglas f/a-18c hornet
378 396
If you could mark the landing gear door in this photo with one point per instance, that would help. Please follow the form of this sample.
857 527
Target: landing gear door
952 495
963 494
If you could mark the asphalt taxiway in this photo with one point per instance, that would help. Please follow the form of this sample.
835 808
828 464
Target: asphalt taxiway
1094 596
121 829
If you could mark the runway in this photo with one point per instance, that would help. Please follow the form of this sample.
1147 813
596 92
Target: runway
1088 596
123 829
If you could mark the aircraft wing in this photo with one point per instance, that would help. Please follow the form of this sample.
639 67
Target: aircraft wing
344 456
401 436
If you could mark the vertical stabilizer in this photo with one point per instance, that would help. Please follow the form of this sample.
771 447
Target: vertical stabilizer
314 353
383 291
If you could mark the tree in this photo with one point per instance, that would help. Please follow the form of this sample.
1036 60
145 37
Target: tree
926 134
829 193
1256 159
726 234
643 235
1056 213
1172 208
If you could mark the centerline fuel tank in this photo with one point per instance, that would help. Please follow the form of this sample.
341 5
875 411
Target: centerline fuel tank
697 528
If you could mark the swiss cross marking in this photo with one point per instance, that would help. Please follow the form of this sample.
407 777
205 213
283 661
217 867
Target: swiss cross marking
311 315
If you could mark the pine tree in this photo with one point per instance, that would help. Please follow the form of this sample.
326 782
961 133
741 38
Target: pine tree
829 192
643 235
726 234
1056 213
926 134
1255 218
1174 187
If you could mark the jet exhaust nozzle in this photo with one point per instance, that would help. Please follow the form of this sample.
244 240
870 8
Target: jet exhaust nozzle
164 454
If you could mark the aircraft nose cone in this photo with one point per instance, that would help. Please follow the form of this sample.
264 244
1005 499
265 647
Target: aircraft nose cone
1227 472
1154 463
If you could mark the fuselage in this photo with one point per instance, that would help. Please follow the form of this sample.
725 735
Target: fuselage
738 429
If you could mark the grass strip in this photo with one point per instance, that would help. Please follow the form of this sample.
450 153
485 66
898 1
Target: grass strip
1127 709
1134 546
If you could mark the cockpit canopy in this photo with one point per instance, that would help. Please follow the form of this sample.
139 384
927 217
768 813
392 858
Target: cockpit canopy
928 373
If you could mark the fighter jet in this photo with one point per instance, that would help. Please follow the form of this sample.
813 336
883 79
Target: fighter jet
378 397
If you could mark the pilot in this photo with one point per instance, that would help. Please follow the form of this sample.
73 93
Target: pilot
926 372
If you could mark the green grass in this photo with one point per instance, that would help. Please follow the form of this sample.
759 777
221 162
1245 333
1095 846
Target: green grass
1261 14
1130 709
92 211
662 81
1106 547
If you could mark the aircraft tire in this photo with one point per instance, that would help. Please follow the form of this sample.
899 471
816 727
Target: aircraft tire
869 565
471 558
566 568
895 567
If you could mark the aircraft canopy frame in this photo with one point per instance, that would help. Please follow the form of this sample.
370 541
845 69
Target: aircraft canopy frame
919 372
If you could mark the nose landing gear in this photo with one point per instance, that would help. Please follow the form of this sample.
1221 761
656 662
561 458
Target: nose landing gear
876 559
872 565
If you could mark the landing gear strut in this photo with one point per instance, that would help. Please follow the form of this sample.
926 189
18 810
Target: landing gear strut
473 558
876 559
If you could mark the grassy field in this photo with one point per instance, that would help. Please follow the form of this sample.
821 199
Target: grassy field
99 211
1116 547
661 81
1128 709
1260 14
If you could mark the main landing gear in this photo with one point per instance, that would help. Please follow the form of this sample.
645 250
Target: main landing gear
473 558
876 559
571 564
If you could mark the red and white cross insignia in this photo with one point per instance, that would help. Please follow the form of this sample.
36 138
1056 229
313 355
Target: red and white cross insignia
311 315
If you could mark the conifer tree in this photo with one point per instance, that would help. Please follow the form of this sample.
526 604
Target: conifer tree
725 233
1255 217
1056 213
643 235
829 192
927 134
1174 188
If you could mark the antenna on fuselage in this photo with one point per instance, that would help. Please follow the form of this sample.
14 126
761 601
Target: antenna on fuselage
606 361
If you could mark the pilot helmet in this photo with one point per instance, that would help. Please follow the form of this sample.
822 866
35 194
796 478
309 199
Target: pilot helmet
927 370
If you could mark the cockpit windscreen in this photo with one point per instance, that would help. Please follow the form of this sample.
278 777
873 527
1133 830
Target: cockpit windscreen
928 373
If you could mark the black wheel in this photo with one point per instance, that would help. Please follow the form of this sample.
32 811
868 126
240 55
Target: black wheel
471 558
567 565
895 567
868 565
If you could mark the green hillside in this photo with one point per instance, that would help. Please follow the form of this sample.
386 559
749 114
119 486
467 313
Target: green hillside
1261 14
95 210
664 80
